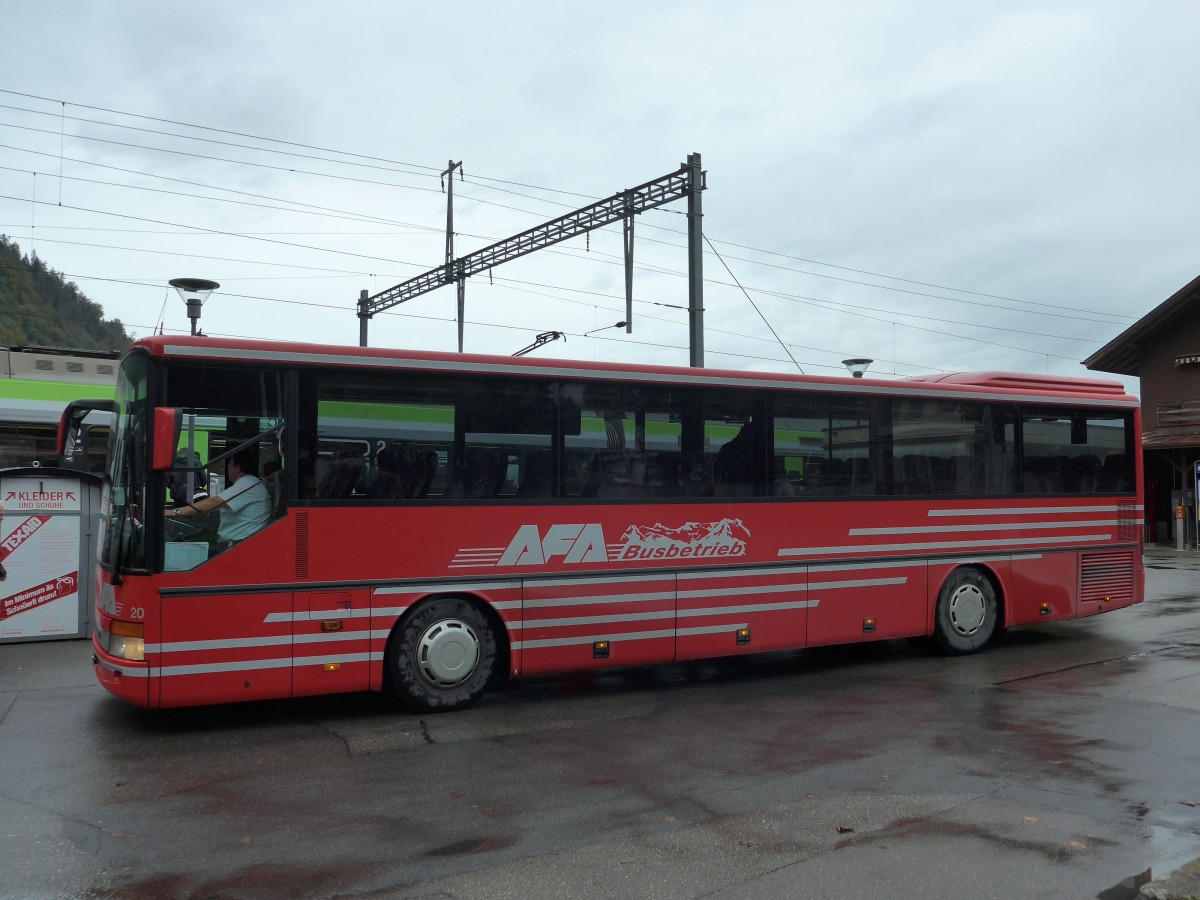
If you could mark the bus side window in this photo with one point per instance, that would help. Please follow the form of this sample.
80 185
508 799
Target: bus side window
378 436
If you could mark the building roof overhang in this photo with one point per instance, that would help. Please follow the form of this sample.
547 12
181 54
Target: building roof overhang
1154 441
1123 355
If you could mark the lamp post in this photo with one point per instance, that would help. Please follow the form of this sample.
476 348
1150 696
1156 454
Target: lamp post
194 292
857 366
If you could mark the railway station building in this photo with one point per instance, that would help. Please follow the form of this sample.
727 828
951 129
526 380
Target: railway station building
1162 350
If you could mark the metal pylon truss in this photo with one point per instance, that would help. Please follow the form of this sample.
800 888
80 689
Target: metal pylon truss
687 181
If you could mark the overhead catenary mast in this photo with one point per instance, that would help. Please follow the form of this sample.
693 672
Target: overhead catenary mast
687 181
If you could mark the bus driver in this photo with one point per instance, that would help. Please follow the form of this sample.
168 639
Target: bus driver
245 505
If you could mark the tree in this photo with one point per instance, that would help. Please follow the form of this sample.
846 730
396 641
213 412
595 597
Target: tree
39 308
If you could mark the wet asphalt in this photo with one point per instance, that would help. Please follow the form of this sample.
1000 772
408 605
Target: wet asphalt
1063 762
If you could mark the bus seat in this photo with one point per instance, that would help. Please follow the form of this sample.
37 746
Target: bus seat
830 477
1083 474
859 475
916 475
386 482
962 475
615 474
484 472
781 485
341 477
1115 473
537 474
428 469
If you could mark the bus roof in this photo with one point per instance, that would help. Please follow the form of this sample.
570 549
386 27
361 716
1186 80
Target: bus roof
983 385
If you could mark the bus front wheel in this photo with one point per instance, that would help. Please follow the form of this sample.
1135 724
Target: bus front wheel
442 656
966 612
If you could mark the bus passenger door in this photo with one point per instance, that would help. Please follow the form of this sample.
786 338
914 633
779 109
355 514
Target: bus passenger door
331 633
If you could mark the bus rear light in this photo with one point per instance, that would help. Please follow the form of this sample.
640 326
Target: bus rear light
125 641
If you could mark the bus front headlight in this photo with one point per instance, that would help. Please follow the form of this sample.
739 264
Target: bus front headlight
125 641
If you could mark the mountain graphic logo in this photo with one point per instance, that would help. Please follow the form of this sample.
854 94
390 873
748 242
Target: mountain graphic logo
691 540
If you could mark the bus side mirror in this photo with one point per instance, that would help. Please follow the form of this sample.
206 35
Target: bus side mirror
71 452
166 436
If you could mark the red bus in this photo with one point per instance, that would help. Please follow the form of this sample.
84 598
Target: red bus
440 520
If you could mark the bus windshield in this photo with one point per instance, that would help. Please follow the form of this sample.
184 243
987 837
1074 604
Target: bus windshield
122 545
226 484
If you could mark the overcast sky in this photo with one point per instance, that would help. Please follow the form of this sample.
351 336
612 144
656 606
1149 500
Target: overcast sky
939 186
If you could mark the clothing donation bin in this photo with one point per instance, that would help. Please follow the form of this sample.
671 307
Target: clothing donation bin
48 547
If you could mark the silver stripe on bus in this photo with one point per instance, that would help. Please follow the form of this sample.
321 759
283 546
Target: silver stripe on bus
608 578
591 620
765 572
783 588
380 612
254 665
984 526
900 388
635 636
666 614
335 658
595 599
211 668
1000 557
592 638
223 644
937 545
710 629
1024 510
702 612
419 586
819 568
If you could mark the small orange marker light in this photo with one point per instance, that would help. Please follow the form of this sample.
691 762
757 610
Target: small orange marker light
332 667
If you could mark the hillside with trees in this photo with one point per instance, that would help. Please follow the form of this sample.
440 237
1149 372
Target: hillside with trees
38 308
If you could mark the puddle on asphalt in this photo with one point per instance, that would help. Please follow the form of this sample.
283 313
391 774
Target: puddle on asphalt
1128 888
1168 850
472 845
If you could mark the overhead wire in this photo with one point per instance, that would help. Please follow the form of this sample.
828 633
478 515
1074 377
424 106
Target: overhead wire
430 169
660 270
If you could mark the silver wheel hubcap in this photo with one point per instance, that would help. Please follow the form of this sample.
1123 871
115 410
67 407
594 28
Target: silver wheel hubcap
448 652
967 609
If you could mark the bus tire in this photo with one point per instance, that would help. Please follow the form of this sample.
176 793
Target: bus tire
967 612
442 656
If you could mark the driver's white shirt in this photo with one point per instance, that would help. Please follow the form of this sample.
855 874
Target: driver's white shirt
247 508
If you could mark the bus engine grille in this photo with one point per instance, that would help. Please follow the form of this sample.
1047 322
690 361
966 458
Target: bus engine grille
1106 576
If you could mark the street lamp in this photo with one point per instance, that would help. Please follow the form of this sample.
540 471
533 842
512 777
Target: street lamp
857 366
194 292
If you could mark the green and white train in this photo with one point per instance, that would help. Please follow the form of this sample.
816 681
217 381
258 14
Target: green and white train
36 384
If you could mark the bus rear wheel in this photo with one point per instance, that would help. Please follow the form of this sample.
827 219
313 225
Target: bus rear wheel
442 656
967 612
